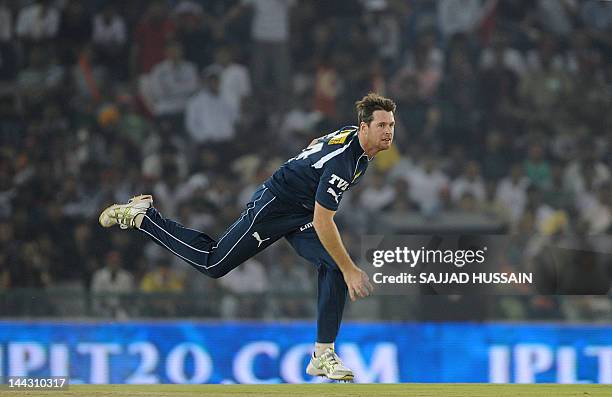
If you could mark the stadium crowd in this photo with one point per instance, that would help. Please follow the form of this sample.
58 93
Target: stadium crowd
503 110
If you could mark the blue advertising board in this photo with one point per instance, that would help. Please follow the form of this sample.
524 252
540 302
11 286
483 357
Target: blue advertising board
252 352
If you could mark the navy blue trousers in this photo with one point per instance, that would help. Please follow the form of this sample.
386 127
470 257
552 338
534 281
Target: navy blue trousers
264 220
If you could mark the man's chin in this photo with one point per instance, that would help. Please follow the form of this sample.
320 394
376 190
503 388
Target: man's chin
385 145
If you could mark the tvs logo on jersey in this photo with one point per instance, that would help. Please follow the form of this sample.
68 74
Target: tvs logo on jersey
335 180
338 182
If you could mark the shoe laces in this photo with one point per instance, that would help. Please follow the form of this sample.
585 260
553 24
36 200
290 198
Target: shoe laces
331 358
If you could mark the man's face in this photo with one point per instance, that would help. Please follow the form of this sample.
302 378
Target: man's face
379 133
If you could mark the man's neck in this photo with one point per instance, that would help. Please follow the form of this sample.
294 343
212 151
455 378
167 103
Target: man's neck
370 152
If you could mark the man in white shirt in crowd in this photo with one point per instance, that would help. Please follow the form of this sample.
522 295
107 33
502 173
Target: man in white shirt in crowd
109 37
38 21
428 185
469 182
173 81
234 79
209 118
110 280
512 193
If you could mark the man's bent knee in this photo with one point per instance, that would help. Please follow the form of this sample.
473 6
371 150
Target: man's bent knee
217 272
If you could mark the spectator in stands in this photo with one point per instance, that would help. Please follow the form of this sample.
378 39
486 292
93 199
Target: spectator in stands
599 214
162 280
108 284
110 40
556 15
428 186
556 194
544 86
300 122
537 168
209 118
470 182
37 22
173 81
234 79
587 165
512 193
462 16
152 33
377 195
31 269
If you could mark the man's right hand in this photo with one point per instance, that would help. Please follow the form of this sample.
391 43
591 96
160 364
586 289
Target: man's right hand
358 283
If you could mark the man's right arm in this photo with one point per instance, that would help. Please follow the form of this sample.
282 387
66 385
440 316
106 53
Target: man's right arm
356 280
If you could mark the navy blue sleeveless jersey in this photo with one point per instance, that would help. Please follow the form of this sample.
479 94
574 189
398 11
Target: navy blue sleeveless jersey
322 172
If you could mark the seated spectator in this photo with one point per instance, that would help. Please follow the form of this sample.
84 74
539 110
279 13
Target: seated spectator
469 183
598 216
512 193
428 186
376 195
536 166
587 165
109 283
299 123
163 279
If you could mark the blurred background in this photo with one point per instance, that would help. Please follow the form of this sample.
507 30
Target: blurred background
503 127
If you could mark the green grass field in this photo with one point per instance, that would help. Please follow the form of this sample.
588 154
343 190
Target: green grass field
328 390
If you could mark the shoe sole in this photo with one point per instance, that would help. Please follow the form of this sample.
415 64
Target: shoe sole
106 221
314 372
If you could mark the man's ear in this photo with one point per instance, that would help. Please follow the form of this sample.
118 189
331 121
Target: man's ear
362 125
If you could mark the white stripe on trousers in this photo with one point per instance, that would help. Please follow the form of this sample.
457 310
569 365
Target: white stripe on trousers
217 244
201 251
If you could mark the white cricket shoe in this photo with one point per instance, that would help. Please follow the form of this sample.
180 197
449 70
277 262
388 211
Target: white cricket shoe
329 365
124 214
